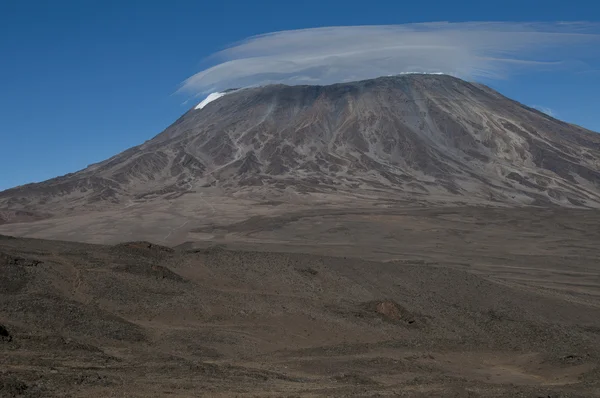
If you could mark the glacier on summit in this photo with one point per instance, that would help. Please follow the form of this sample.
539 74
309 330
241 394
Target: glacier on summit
211 97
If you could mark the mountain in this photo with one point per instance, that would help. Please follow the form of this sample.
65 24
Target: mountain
425 137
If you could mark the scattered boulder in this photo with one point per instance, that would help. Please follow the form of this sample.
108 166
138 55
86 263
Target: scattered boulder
150 270
307 271
389 309
143 245
392 311
4 334
354 378
7 259
12 387
164 273
212 249
572 359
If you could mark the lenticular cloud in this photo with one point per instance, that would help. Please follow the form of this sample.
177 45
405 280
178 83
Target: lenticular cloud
337 54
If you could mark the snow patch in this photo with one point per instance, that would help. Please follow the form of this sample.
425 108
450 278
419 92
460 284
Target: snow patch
211 97
420 73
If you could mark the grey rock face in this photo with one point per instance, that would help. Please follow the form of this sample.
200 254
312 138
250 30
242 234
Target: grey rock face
404 135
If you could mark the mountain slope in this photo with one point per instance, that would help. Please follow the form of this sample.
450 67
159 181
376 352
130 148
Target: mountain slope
404 136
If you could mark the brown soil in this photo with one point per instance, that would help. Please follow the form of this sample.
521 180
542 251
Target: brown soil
447 302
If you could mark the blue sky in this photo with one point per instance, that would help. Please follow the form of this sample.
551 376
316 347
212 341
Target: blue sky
81 80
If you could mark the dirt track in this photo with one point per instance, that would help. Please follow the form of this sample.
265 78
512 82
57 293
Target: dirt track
414 302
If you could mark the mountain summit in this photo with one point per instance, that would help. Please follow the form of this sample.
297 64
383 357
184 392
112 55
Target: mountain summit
411 136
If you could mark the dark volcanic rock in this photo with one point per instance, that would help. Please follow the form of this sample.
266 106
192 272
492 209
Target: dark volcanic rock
4 334
7 259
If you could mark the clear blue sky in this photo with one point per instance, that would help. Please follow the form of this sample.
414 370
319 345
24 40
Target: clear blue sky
81 80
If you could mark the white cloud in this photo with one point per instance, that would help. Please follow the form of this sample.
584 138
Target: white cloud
471 50
546 110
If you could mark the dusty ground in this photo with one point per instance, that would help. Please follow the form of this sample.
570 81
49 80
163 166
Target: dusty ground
322 301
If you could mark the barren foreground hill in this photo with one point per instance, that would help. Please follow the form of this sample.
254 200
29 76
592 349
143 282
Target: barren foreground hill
460 302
